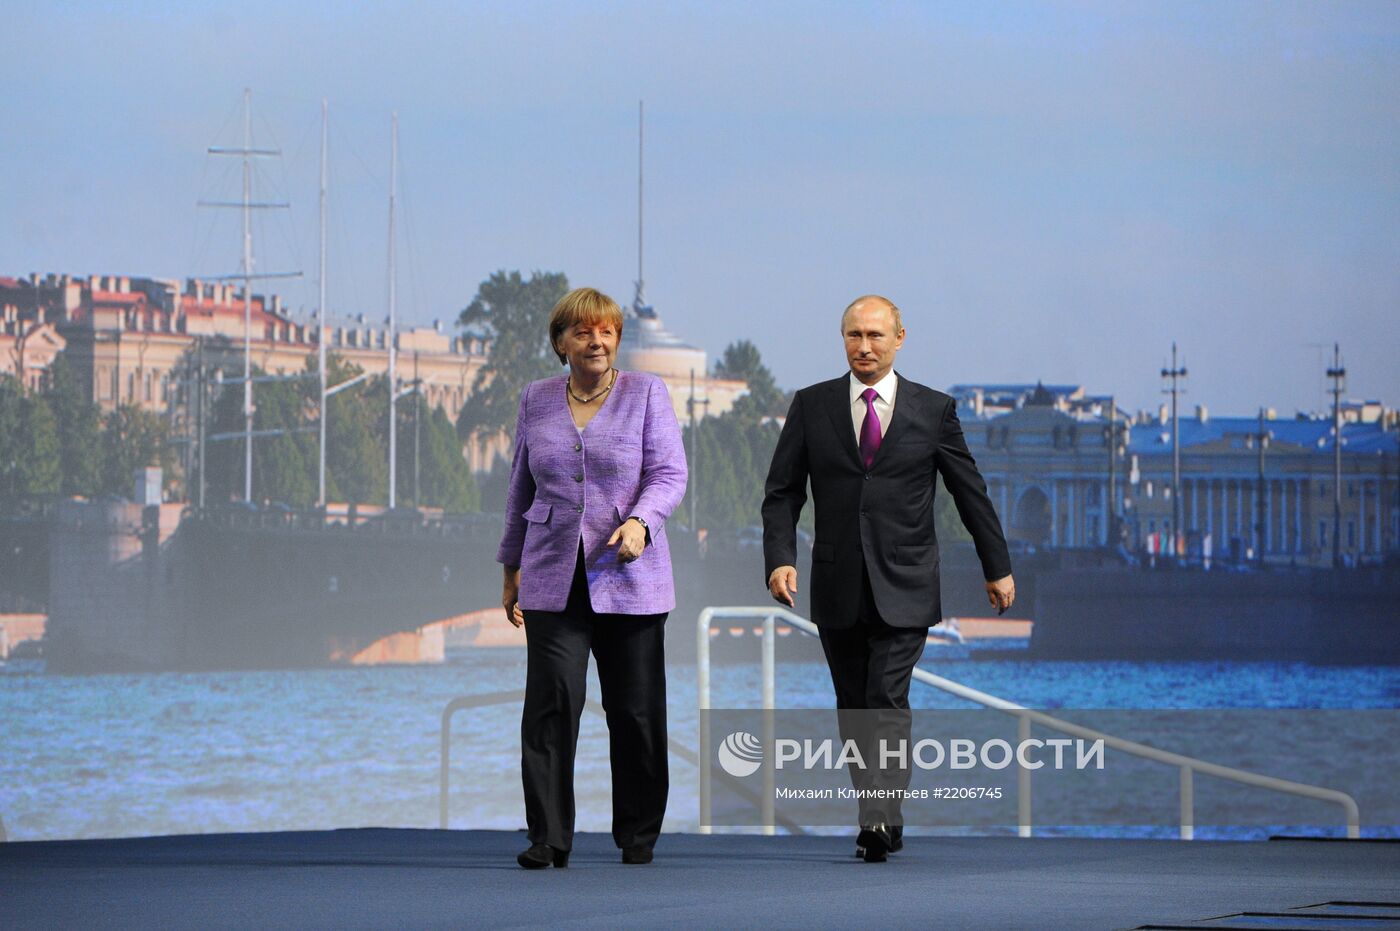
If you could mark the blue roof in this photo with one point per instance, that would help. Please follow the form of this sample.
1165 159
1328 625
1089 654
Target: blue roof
1311 434
1010 388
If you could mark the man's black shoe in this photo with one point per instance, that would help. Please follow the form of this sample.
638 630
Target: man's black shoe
896 842
636 855
874 842
540 856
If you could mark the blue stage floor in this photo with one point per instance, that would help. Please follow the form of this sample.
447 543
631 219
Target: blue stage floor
381 878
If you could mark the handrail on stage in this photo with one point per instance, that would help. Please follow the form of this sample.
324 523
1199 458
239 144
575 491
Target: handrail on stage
1187 766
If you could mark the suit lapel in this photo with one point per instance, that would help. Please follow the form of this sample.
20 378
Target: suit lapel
840 410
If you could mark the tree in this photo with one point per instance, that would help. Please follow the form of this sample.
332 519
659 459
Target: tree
284 466
11 441
79 429
132 438
444 479
29 458
357 465
741 361
40 464
730 453
514 314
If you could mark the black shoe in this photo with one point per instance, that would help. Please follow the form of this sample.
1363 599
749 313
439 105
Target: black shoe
638 854
874 842
541 855
896 843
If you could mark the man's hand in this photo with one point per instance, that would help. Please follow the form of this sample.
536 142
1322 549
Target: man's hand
1002 593
630 539
510 595
782 585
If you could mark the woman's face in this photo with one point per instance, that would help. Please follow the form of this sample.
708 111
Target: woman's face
590 348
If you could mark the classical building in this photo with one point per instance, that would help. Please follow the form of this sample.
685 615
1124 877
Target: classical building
1058 481
648 346
29 342
130 339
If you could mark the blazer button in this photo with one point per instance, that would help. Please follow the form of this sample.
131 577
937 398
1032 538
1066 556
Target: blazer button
579 508
578 447
578 477
867 476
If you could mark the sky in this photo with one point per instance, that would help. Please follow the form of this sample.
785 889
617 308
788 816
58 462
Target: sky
1049 191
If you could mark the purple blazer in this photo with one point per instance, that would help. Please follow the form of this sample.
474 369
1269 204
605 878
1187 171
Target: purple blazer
564 487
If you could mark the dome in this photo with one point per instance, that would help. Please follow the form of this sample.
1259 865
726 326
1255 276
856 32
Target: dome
647 346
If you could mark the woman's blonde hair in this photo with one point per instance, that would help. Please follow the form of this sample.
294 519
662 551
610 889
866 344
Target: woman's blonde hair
581 305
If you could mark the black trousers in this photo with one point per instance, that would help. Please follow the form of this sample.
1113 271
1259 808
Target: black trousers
871 666
629 650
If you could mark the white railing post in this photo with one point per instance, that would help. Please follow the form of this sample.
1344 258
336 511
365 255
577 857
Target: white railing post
1188 765
1188 804
770 675
702 680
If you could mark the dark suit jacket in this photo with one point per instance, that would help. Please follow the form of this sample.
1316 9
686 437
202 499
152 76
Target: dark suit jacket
883 517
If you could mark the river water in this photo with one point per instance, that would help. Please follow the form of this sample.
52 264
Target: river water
173 753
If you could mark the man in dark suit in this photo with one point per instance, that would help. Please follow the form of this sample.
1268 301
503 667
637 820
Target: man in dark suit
870 443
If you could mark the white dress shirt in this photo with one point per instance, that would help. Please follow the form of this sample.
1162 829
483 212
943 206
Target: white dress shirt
884 402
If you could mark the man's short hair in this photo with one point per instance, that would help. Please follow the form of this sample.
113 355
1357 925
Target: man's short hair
582 305
894 311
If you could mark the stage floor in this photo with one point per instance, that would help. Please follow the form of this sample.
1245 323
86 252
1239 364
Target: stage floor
389 878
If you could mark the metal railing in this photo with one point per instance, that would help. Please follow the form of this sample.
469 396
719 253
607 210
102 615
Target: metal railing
517 696
1188 766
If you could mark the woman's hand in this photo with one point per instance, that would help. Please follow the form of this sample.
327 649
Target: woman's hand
630 539
510 595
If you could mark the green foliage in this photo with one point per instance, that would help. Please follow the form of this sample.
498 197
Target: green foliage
355 458
11 441
357 445
444 480
742 361
29 446
729 454
40 468
79 429
58 442
132 439
729 463
514 313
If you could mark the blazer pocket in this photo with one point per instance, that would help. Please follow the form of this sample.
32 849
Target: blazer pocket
924 554
538 513
823 552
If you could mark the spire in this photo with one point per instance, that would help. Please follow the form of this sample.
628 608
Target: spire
640 307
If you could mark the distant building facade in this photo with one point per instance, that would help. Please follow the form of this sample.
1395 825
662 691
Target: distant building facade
1057 480
130 338
647 346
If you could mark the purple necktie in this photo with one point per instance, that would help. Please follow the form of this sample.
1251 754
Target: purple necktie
869 429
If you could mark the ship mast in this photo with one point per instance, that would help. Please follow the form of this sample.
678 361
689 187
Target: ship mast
1175 373
321 314
393 316
1338 376
639 301
247 205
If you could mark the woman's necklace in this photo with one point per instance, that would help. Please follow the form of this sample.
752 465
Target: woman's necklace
591 398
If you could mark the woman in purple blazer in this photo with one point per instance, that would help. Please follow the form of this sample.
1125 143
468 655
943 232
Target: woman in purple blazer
598 468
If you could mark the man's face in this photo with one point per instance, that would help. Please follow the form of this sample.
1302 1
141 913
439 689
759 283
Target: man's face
871 340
